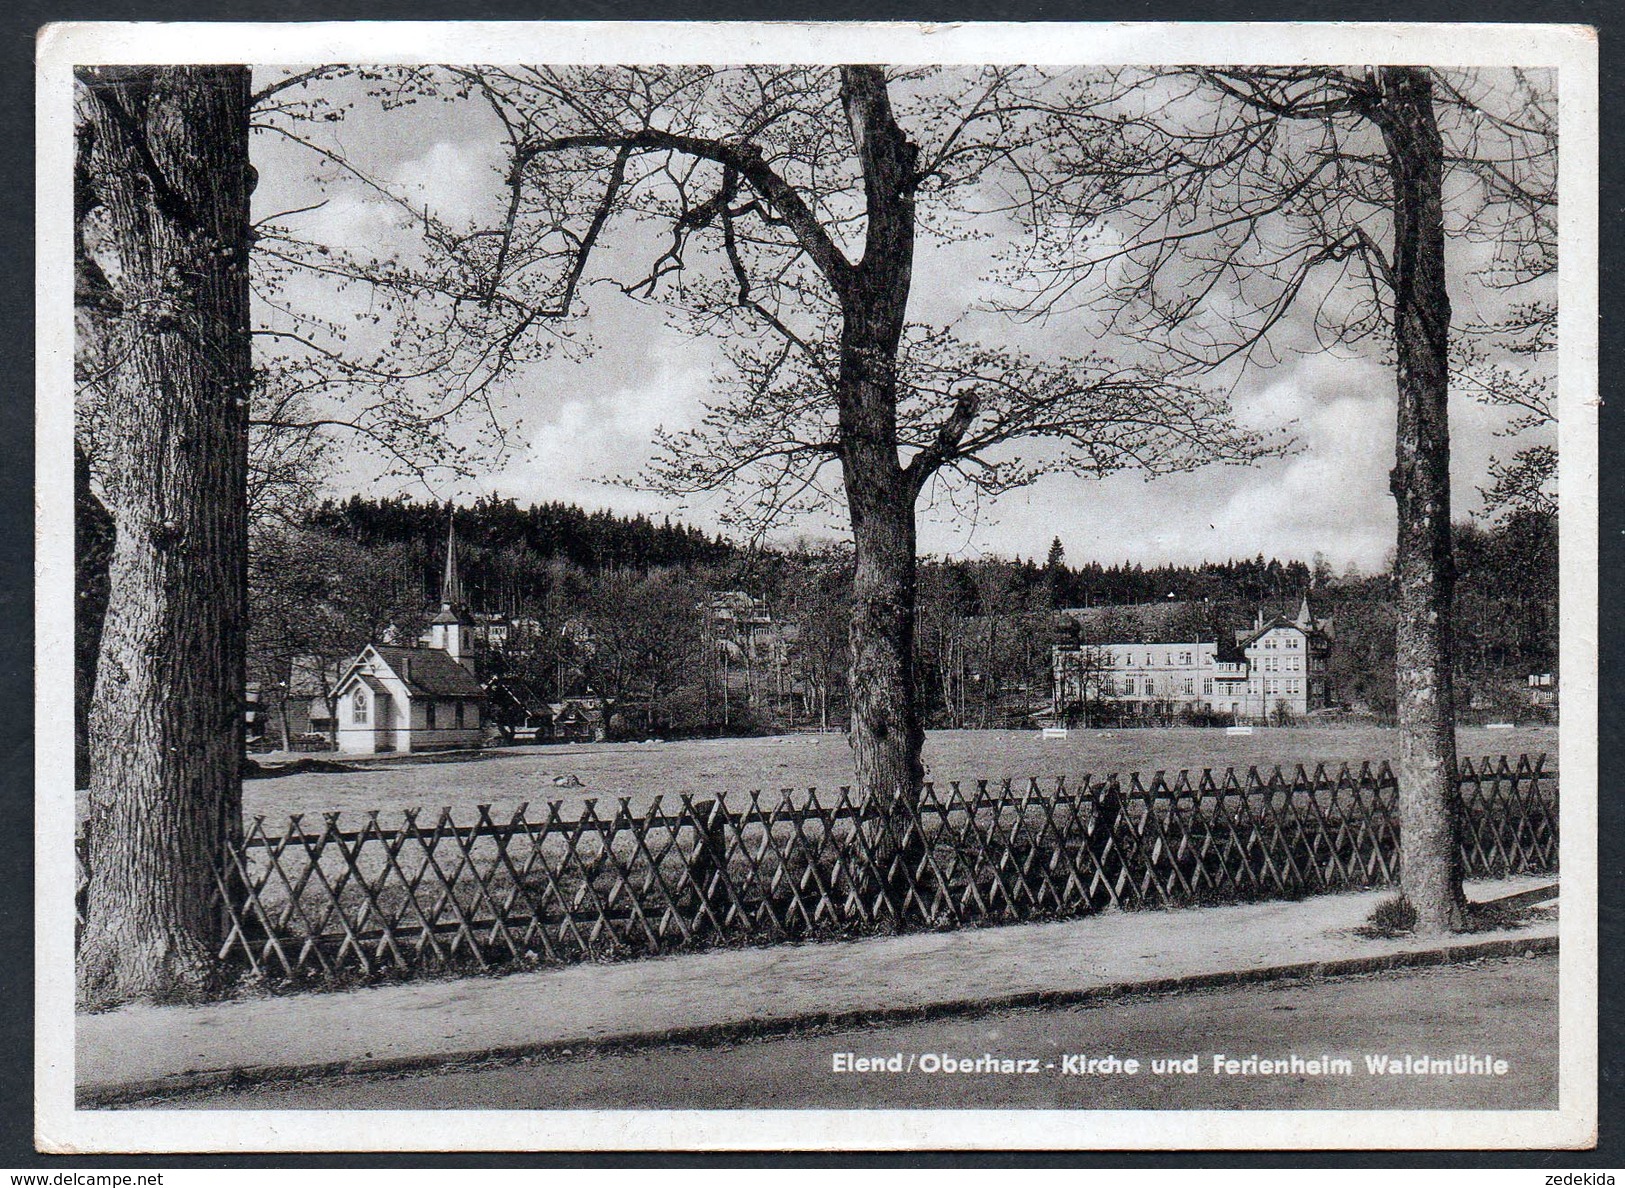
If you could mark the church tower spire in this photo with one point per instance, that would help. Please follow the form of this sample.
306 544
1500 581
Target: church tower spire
451 629
451 586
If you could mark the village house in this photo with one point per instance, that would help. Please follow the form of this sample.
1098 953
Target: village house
754 652
518 709
295 713
581 719
1278 666
310 711
417 698
1543 690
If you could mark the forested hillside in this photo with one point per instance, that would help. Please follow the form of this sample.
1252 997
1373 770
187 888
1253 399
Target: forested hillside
626 607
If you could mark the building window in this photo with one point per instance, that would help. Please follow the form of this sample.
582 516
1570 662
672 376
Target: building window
1190 686
1184 657
459 715
358 708
429 717
1207 686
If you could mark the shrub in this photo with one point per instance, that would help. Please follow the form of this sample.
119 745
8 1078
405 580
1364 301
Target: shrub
1391 917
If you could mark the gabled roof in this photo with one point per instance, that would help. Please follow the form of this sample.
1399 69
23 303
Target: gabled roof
521 694
587 707
1245 639
426 672
430 672
377 686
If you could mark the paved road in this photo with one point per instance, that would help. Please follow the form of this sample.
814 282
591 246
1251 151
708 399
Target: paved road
1505 1008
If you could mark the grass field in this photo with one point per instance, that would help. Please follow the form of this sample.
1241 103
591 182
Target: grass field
506 777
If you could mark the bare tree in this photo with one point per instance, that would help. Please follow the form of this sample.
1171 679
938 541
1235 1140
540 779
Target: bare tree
1231 198
1493 362
1083 683
778 210
646 639
380 349
946 612
315 600
820 608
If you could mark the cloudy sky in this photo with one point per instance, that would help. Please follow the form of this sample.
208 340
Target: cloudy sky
578 423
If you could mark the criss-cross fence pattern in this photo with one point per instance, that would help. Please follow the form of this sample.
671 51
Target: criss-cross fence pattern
595 882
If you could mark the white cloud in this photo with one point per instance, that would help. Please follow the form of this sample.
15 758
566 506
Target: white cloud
588 439
1333 497
1330 496
457 182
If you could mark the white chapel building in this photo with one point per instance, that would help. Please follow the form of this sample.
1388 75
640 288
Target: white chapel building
417 698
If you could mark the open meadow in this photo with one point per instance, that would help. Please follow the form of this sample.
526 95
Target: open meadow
507 777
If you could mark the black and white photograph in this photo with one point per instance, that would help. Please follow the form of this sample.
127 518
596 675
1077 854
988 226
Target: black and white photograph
740 586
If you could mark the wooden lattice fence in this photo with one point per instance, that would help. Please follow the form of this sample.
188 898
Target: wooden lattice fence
431 892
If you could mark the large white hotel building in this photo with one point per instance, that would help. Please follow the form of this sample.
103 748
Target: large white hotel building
1274 665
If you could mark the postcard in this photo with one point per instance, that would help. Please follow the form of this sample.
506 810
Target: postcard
816 586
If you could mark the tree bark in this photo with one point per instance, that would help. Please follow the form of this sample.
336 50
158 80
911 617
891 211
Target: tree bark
171 174
887 737
92 548
1424 571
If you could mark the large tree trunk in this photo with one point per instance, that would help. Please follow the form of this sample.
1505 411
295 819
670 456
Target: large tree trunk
1423 568
887 737
92 548
171 175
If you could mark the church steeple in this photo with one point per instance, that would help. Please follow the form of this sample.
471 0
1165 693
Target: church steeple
451 586
450 629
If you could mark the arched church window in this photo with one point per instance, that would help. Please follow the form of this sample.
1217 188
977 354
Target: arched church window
358 707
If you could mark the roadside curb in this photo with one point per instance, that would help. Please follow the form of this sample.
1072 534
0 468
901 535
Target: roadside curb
718 1033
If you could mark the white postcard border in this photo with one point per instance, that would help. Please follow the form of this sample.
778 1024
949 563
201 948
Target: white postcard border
63 1128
